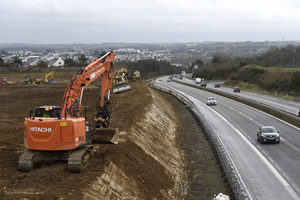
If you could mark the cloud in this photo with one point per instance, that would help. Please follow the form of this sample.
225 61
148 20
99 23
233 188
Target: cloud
93 21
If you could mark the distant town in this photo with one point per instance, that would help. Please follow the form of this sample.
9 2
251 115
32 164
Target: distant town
179 54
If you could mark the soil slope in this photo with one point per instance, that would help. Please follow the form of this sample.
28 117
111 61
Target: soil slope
151 161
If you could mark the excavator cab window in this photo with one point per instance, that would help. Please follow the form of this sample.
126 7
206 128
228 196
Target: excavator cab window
3 80
47 111
120 79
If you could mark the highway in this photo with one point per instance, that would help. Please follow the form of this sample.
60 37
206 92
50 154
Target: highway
269 171
277 102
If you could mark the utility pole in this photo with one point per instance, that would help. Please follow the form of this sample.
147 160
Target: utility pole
294 58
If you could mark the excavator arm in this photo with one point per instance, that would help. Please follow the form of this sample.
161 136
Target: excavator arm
47 79
71 103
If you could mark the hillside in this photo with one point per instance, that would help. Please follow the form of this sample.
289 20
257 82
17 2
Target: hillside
162 152
282 80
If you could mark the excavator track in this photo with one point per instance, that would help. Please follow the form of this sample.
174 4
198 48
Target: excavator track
26 160
78 158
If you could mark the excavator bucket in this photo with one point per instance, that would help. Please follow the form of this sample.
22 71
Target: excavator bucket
106 135
121 88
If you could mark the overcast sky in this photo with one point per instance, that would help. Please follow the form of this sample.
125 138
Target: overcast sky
147 21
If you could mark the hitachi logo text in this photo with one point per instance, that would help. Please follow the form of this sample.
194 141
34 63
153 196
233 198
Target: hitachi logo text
39 129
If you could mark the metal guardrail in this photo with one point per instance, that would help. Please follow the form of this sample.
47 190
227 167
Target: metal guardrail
283 112
234 178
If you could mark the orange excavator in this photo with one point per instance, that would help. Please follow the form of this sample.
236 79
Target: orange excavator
59 133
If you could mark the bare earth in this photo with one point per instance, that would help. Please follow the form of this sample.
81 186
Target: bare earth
162 153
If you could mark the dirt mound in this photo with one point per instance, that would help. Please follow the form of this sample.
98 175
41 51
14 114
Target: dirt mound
150 161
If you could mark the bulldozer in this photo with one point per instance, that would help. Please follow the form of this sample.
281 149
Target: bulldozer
120 80
59 133
133 74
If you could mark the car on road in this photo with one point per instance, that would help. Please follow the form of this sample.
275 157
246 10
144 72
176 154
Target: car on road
211 101
236 89
217 85
268 134
203 84
168 80
198 80
159 79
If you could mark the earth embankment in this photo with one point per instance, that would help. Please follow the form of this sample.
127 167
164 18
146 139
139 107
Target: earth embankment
162 153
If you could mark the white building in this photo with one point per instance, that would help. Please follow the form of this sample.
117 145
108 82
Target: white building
56 62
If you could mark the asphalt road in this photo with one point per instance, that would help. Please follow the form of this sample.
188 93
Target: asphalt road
269 171
277 102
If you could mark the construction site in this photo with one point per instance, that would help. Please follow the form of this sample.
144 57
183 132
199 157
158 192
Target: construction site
161 153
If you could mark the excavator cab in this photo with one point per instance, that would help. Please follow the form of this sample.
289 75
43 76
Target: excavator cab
47 111
3 81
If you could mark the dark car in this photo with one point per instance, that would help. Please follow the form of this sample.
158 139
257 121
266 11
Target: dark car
203 84
268 134
236 89
217 85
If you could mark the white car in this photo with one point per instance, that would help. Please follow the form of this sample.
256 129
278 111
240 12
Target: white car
211 101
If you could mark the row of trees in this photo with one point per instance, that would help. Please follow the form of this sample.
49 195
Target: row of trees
16 63
222 67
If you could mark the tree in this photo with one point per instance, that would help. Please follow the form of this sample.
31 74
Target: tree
42 64
1 62
82 59
242 64
17 61
103 53
199 62
70 62
215 60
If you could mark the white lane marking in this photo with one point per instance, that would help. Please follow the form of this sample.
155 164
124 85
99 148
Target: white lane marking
292 146
296 187
286 176
260 155
277 167
281 138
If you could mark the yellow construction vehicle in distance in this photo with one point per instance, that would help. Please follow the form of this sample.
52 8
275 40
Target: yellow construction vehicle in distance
49 77
133 74
120 80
